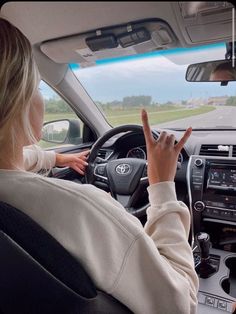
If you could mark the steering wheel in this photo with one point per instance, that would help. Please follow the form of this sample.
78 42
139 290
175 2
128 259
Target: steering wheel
126 177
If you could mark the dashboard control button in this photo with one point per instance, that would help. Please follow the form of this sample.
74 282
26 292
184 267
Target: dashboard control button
199 206
197 172
197 187
197 179
198 162
215 211
225 213
208 210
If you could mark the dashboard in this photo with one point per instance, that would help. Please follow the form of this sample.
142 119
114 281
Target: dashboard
132 146
139 152
208 188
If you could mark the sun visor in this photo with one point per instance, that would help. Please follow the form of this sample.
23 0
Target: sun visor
117 41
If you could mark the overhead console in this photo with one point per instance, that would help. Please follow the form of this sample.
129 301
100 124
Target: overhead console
212 189
195 17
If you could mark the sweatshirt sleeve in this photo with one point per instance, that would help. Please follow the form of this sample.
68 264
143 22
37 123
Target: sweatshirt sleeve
36 159
160 262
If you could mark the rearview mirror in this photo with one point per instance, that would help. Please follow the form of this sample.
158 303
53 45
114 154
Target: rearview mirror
212 71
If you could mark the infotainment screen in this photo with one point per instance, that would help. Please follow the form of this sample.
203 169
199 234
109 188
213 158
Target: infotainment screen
222 177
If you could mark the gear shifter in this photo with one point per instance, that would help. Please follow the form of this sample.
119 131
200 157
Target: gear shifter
206 267
203 240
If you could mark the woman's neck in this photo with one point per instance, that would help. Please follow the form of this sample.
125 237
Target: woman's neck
11 159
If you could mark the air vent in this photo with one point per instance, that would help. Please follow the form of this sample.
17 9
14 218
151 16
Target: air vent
214 150
104 154
234 151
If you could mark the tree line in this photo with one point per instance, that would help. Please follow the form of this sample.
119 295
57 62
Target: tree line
231 101
128 102
54 105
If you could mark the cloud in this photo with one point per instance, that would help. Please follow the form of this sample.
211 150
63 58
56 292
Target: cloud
161 76
129 69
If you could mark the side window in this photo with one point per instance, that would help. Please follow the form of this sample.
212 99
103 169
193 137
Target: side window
62 127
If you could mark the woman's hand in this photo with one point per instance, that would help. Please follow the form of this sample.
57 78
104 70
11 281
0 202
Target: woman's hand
162 154
75 161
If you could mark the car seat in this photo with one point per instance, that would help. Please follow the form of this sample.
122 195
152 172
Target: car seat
38 275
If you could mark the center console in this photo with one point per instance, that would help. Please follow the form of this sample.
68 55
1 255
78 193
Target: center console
212 197
212 189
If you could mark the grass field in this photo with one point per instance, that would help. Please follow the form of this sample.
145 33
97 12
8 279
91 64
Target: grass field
155 116
119 117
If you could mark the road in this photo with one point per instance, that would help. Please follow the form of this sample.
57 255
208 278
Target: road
222 116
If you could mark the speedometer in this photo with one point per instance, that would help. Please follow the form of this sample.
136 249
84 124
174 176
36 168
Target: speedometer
136 152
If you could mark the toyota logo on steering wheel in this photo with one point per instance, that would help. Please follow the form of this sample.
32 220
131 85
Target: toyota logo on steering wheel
123 169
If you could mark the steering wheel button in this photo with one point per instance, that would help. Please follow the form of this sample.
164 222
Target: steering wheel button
145 172
210 301
100 170
222 304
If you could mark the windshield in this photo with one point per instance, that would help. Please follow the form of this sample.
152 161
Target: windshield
156 81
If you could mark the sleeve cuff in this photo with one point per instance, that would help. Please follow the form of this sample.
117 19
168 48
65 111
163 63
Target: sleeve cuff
50 159
162 192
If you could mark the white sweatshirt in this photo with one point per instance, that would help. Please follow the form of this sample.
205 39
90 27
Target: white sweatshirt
149 269
36 159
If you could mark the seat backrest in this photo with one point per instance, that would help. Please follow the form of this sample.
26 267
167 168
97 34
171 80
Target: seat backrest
38 273
26 287
46 250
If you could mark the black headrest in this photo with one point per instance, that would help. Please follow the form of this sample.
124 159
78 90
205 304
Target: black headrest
46 250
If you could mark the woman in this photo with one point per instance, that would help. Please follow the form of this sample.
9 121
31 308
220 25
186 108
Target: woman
149 269
223 72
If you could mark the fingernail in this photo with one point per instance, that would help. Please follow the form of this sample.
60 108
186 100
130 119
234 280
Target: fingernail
144 113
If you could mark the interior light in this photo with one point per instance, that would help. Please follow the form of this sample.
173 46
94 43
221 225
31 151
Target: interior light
193 8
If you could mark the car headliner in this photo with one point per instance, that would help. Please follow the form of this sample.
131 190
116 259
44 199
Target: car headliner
41 21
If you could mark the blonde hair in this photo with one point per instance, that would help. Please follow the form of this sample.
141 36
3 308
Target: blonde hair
19 79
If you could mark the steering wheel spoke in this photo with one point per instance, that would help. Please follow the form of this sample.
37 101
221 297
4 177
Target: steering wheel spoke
144 177
100 173
123 199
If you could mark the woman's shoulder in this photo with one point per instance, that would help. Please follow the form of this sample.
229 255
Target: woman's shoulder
89 199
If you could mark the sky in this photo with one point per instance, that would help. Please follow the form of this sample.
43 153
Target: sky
159 74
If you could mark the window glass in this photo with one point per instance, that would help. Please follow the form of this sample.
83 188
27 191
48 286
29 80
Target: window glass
62 127
156 81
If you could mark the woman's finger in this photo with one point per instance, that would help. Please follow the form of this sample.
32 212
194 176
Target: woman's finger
183 140
163 136
146 128
170 140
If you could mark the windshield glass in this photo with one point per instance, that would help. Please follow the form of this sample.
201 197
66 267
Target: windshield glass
156 81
